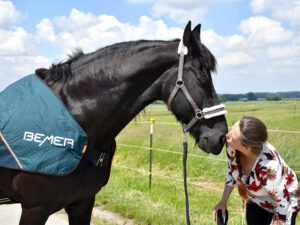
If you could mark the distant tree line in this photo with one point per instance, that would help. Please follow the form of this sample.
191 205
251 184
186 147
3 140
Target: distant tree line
253 96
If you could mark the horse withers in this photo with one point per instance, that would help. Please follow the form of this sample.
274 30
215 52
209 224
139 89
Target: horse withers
104 91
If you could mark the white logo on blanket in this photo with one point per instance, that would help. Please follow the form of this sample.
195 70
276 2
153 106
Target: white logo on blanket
53 140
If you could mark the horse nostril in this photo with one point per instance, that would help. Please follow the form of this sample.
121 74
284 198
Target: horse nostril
222 140
205 140
203 144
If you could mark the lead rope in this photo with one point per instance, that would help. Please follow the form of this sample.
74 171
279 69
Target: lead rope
185 150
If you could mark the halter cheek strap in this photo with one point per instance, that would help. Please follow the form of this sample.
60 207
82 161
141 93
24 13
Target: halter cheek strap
206 113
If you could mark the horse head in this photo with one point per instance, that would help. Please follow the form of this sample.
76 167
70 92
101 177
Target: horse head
193 91
139 68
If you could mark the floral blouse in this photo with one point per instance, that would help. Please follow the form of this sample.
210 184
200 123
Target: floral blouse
271 184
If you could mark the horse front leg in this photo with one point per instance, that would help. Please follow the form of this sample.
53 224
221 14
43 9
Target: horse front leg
80 212
34 216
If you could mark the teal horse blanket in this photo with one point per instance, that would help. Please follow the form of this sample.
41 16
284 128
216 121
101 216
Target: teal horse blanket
37 132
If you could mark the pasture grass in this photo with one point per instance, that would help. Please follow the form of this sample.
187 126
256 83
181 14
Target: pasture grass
128 194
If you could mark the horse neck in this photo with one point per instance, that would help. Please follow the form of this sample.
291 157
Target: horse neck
113 99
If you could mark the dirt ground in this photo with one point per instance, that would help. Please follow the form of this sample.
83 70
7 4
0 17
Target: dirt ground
10 214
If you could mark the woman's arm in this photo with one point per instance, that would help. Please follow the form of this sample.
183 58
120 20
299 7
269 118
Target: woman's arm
226 193
223 203
230 184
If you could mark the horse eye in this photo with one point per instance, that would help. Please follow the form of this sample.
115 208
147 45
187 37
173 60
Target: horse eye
203 78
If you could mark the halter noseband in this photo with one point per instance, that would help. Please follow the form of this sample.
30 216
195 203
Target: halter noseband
206 113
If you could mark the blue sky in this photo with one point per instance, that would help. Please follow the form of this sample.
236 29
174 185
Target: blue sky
256 42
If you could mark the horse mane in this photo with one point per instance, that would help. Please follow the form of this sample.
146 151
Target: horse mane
76 54
62 70
118 48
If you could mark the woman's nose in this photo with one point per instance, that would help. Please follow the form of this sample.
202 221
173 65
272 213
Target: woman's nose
227 135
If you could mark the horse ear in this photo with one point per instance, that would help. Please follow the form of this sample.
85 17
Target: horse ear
196 33
187 34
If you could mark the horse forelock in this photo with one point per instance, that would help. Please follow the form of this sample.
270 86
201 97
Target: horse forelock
208 59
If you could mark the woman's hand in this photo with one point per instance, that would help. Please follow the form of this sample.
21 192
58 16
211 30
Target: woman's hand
221 205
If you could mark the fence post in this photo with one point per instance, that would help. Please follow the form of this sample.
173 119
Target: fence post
151 149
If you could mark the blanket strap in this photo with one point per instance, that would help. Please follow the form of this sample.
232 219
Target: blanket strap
98 159
101 159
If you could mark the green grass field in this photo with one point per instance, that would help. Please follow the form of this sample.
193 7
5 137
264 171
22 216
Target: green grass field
128 194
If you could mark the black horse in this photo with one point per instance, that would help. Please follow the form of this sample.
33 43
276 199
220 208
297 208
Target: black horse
104 91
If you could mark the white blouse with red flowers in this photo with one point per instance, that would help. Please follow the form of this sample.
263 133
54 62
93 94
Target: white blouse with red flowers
271 183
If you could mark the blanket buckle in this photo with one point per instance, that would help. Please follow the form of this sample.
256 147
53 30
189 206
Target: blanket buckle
101 159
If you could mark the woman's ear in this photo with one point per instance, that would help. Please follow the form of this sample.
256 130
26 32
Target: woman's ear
249 149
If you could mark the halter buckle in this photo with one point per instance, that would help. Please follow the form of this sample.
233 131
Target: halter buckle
199 114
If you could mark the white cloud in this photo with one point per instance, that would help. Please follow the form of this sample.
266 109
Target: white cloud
24 64
15 67
76 20
220 44
15 42
262 30
288 10
235 58
178 14
265 57
284 52
180 11
8 15
259 6
97 31
155 29
17 47
45 31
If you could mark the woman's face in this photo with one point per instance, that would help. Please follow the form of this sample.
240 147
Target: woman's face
234 136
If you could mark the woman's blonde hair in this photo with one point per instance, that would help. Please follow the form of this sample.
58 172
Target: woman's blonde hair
253 135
